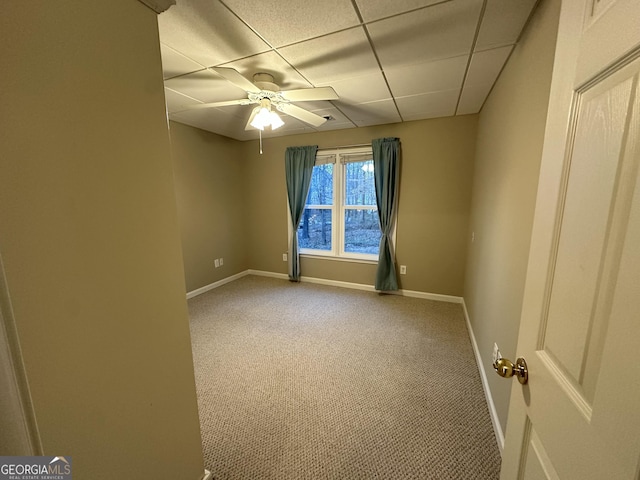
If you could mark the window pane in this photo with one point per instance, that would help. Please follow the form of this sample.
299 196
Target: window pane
361 231
359 183
321 188
315 229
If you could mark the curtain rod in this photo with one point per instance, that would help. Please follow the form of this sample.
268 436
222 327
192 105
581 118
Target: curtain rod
320 149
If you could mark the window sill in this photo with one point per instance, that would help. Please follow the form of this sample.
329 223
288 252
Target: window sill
338 259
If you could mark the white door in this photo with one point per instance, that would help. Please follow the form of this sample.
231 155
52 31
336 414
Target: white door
579 415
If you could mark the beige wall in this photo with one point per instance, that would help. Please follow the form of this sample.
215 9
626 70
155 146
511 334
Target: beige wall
434 203
209 173
510 134
214 174
90 240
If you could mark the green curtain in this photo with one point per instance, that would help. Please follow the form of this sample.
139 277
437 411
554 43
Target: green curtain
298 164
386 175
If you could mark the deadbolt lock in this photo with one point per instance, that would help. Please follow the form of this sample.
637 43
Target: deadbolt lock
506 369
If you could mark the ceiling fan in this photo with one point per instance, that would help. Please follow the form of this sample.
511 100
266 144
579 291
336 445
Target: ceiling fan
266 94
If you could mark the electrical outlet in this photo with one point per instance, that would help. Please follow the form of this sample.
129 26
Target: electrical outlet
284 257
496 353
216 262
221 261
403 269
473 237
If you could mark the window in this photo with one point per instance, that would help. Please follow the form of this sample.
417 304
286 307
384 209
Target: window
340 218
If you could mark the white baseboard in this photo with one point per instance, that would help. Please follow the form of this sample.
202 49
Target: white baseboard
493 413
207 475
319 281
323 281
430 296
263 273
219 283
338 283
361 286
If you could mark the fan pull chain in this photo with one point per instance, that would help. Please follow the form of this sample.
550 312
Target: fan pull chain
260 141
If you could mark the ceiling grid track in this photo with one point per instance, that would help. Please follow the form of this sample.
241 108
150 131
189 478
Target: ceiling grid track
375 54
473 49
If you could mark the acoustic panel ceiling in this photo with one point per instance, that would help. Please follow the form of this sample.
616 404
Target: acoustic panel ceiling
388 61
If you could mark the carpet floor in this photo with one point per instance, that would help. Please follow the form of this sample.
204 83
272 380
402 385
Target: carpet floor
303 381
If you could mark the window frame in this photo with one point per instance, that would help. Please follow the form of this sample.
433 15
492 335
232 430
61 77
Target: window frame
339 208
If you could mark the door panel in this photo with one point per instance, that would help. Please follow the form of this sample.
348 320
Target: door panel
578 417
576 317
537 464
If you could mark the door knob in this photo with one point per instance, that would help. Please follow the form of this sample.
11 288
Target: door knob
506 369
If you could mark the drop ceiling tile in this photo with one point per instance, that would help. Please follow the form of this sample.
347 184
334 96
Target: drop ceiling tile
207 32
174 63
441 31
318 105
473 98
486 65
428 105
367 88
337 121
373 113
176 101
270 62
502 22
239 111
330 125
376 9
337 126
427 77
425 116
282 22
333 57
336 114
291 126
483 71
205 86
212 120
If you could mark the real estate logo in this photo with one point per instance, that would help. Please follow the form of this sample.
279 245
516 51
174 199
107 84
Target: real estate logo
35 468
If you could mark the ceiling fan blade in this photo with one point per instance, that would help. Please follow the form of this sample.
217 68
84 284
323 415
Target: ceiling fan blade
310 94
301 114
254 112
241 101
234 77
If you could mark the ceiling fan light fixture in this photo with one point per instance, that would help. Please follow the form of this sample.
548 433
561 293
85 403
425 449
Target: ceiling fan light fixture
276 121
261 119
265 117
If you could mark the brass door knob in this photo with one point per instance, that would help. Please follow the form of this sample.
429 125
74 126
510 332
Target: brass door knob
506 369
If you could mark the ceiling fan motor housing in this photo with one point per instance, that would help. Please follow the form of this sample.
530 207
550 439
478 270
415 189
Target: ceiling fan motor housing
265 82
